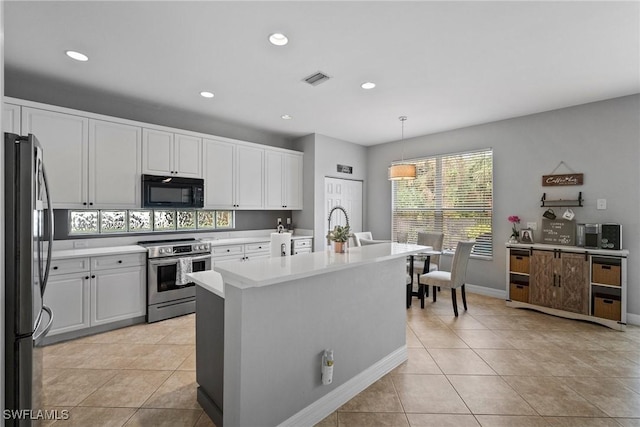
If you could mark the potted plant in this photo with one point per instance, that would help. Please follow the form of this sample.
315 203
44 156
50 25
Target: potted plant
340 235
515 234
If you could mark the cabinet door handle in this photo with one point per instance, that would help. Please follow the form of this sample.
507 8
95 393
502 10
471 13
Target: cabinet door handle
91 204
93 276
607 301
55 267
559 281
228 250
119 261
84 203
606 267
86 277
554 279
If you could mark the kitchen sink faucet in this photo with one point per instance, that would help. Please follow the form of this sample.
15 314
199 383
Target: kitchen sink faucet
346 216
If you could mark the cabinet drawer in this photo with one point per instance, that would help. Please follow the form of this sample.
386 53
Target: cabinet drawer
117 261
257 247
607 306
302 243
519 292
607 273
519 263
217 251
302 251
70 265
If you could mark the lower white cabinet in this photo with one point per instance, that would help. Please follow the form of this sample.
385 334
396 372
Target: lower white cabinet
240 252
68 297
301 246
86 292
117 294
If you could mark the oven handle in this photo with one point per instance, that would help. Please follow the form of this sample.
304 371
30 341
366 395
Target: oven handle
173 260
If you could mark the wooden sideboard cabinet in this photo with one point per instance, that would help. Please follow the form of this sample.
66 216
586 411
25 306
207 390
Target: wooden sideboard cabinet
568 281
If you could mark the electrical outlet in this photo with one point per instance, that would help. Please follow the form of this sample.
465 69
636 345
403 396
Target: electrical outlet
532 225
601 204
288 221
279 221
80 244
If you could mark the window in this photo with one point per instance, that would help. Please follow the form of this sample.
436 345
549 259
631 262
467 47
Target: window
452 193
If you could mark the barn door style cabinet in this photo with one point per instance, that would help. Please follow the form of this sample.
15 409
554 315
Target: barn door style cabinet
569 281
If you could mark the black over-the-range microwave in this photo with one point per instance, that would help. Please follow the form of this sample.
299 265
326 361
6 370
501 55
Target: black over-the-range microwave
172 192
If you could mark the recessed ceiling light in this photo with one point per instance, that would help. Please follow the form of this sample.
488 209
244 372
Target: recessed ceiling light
77 55
286 117
278 39
206 94
368 85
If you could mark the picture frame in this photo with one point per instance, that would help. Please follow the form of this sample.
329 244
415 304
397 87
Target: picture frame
526 235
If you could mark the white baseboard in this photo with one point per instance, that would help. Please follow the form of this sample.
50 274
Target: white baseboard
327 404
633 319
483 290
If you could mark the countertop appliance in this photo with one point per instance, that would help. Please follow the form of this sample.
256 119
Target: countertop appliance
172 192
29 236
169 293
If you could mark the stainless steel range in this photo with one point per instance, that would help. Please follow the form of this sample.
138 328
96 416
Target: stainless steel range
169 293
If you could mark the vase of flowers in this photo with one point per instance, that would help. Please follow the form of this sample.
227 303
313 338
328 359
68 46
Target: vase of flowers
339 235
514 219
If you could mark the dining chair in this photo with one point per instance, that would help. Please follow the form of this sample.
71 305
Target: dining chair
433 239
361 235
455 278
365 242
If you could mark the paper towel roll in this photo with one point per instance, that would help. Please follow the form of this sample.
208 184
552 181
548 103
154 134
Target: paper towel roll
277 240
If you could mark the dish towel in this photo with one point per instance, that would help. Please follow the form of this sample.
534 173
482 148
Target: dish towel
183 267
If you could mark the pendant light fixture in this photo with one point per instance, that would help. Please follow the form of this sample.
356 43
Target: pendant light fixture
402 170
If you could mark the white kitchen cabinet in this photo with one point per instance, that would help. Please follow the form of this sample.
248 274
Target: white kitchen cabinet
11 118
117 294
233 176
283 180
89 163
302 246
115 152
68 297
167 153
64 139
240 252
86 292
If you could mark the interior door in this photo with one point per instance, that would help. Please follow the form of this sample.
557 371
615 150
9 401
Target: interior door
348 194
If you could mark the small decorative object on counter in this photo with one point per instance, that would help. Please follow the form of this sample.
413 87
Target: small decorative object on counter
339 235
514 219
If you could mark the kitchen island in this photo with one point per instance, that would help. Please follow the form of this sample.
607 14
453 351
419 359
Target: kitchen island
263 325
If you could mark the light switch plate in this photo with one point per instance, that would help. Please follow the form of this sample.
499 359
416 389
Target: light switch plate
601 204
532 226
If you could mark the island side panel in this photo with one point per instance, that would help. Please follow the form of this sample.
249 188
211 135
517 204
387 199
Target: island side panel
210 353
275 336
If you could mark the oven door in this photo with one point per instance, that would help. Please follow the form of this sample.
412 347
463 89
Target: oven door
161 278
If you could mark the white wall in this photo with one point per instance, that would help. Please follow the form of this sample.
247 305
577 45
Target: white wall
601 140
322 154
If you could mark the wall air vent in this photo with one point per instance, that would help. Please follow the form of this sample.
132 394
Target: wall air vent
316 78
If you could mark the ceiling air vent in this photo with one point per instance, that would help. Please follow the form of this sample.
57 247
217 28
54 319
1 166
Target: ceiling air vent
316 78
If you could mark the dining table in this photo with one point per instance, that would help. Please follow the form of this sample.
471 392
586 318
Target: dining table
422 289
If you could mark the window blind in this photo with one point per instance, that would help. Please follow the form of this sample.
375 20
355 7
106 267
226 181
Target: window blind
452 193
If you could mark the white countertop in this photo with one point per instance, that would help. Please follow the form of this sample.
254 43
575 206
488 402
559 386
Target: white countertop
579 249
268 271
108 250
210 280
244 240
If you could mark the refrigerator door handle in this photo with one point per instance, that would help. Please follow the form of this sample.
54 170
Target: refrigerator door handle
38 338
45 279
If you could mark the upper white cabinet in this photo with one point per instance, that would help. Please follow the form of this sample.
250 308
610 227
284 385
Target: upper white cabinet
233 176
89 163
115 152
283 180
11 118
167 153
64 139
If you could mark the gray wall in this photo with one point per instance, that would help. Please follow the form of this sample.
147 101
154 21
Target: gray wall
2 217
329 152
601 140
304 218
49 91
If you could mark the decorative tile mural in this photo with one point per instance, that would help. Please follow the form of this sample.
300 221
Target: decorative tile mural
140 221
186 220
206 219
146 221
83 222
113 221
164 220
224 219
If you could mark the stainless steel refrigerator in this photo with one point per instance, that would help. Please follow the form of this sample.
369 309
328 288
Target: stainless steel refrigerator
28 241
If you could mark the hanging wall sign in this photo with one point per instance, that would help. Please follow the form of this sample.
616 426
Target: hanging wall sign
345 169
566 179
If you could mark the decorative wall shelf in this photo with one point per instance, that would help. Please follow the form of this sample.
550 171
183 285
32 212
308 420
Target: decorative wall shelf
560 202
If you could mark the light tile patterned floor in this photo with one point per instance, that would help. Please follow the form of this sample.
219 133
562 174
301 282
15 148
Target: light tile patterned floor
491 366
